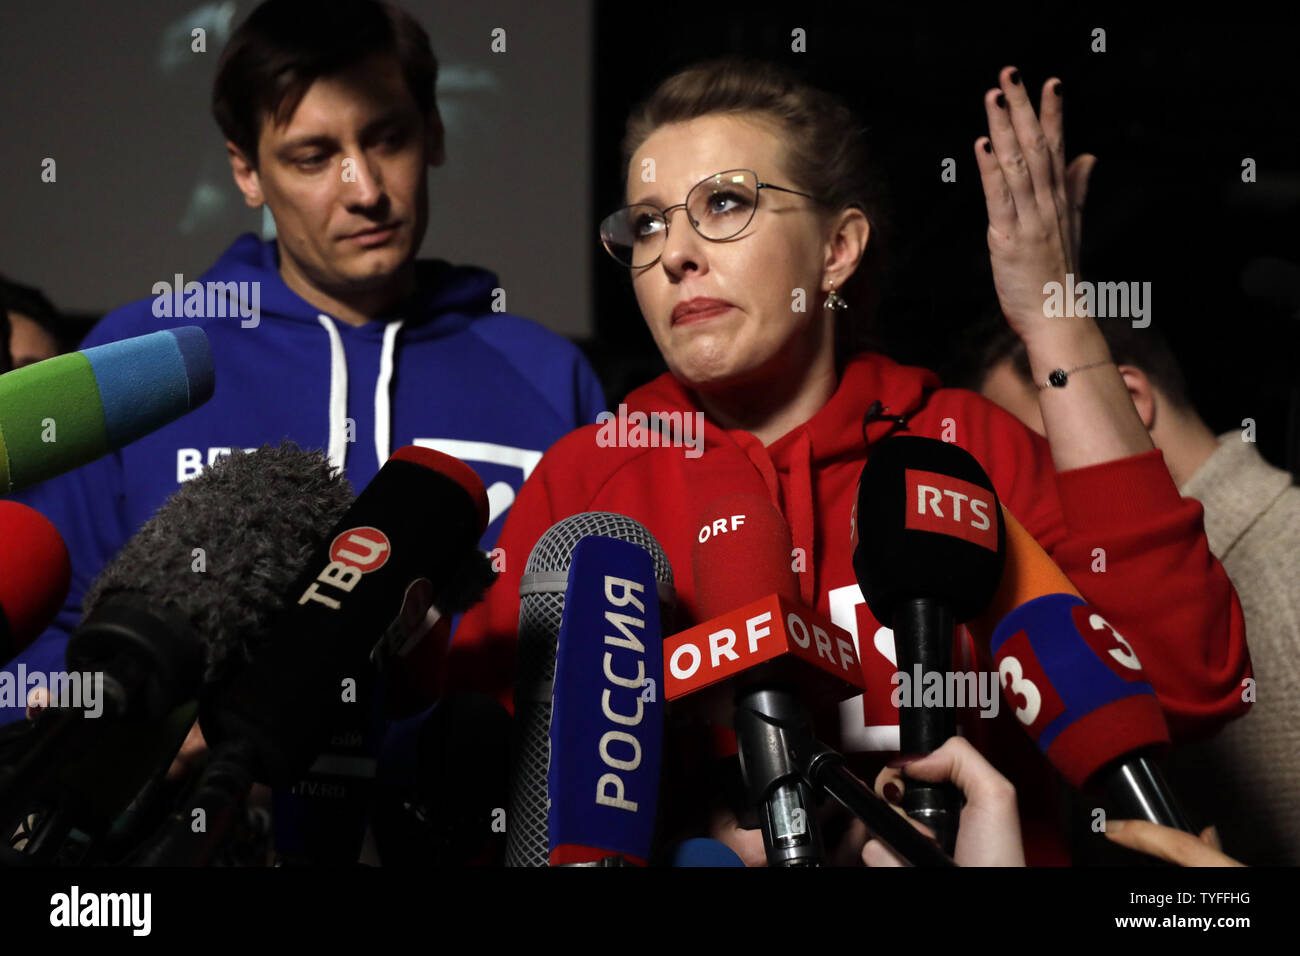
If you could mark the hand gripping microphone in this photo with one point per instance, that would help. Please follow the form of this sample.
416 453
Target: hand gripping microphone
928 552
753 666
588 698
1076 685
98 400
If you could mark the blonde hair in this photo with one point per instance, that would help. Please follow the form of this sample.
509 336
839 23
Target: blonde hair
825 148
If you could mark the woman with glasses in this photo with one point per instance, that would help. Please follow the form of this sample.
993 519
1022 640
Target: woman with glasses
751 233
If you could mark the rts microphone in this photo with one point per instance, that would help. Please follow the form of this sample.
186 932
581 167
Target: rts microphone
1076 685
34 576
69 410
752 666
928 546
588 698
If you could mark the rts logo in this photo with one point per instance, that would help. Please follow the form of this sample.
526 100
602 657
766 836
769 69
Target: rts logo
948 505
353 553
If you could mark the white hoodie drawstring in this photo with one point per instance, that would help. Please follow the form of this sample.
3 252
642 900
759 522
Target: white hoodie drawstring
384 401
338 446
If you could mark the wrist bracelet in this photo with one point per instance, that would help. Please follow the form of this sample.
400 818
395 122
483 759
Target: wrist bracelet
1060 376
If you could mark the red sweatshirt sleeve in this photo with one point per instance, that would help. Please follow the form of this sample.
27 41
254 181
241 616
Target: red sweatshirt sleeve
481 657
1137 550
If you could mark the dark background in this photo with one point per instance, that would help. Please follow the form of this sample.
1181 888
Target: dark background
1170 109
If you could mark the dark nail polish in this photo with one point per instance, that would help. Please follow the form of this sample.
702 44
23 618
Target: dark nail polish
892 793
988 146
1002 101
1015 77
1056 88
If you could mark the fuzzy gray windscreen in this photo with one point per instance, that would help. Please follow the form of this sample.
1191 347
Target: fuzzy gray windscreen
257 519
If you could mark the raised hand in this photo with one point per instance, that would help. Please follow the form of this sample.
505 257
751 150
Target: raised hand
1034 201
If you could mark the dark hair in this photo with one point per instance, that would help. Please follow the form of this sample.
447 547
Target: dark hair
24 300
826 148
1145 349
28 301
286 45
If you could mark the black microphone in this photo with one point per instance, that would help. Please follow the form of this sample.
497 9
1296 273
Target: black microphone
420 518
928 550
187 597
416 523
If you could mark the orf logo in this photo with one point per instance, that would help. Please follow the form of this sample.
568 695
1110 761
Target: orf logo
366 549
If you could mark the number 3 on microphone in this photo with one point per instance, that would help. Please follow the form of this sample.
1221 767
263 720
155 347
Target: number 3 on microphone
1015 682
1127 656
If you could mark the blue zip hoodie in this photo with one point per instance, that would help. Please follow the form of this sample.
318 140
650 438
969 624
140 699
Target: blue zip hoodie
446 371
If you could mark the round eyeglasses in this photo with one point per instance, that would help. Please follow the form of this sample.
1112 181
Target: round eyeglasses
719 208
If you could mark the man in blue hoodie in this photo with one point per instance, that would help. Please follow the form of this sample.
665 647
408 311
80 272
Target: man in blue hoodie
333 335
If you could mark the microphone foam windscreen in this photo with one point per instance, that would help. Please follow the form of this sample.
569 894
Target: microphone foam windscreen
1076 685
227 546
34 575
742 552
928 525
98 399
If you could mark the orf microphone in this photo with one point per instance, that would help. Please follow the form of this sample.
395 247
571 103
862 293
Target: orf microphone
753 666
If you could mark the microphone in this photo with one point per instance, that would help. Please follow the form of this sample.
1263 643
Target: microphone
420 518
588 735
167 612
750 666
928 546
1076 685
34 577
606 728
95 401
443 788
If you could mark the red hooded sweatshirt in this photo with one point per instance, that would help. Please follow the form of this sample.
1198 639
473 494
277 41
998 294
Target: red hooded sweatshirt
1161 587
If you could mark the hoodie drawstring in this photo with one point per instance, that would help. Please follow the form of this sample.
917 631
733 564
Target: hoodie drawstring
383 400
338 445
797 507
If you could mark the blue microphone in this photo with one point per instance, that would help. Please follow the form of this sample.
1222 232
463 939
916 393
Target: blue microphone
607 711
